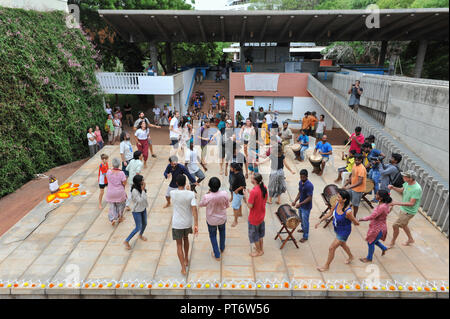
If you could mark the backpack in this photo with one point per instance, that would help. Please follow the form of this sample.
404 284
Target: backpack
397 180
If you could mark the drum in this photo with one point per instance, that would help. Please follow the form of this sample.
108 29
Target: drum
315 160
296 149
370 185
288 216
330 194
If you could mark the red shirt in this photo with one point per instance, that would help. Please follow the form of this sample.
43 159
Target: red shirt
258 211
102 170
353 145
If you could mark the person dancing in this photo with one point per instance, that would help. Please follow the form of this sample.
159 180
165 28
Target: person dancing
342 222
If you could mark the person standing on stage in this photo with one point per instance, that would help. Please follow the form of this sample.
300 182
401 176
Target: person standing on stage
173 170
412 195
184 213
356 184
305 198
342 223
256 202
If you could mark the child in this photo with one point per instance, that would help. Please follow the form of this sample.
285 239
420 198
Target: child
102 180
53 184
343 172
237 186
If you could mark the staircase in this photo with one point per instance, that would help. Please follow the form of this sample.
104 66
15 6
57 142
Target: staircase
209 87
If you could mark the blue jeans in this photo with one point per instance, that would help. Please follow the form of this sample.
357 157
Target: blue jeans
140 218
304 215
302 151
213 237
372 246
124 168
374 174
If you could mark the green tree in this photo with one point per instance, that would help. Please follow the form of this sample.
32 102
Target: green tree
283 4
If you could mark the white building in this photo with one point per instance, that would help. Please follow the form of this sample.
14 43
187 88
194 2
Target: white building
37 5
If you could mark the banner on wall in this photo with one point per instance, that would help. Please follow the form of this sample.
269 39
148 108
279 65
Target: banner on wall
261 82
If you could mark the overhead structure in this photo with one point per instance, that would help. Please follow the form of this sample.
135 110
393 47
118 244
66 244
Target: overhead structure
278 26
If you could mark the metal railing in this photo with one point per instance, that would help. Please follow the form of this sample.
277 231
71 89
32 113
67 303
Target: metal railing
434 202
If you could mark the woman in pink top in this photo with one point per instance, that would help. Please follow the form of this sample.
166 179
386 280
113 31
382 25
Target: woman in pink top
377 227
216 203
98 137
116 195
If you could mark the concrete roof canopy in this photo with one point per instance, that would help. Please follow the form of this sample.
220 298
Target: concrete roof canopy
278 26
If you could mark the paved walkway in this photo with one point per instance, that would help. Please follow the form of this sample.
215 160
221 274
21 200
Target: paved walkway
75 242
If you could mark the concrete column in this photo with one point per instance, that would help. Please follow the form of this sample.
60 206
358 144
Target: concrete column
154 55
420 58
172 103
382 56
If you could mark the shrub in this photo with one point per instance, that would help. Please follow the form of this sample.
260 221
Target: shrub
49 94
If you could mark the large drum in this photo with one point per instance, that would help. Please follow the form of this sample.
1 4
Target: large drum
330 195
316 161
370 185
296 149
288 216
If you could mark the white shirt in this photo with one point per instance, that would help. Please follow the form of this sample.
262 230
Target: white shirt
126 149
192 158
53 186
320 126
156 110
268 119
182 201
173 132
141 134
108 111
91 135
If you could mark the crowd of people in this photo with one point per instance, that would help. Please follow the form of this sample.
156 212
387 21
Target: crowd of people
244 147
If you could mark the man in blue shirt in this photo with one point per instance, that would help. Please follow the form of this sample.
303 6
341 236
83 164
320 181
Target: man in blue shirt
303 139
214 102
325 150
197 103
373 157
173 170
305 195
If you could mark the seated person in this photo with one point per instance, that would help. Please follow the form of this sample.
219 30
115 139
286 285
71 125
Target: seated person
344 172
324 148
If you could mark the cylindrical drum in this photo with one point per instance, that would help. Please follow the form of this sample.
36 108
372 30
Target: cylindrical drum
296 149
315 160
330 193
369 186
288 216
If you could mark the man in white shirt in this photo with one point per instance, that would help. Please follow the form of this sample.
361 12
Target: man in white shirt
157 112
192 161
184 213
268 117
321 127
175 131
108 109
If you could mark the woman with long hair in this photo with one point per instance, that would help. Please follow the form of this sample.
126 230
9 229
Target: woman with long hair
256 202
246 133
139 199
342 222
378 226
141 137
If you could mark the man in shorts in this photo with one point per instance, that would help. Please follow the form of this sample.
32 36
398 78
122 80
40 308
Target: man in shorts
237 187
356 184
412 195
173 170
184 213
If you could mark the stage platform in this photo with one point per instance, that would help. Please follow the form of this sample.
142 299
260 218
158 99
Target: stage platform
70 250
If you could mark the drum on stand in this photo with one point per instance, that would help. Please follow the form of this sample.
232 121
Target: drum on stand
288 216
296 149
316 162
330 197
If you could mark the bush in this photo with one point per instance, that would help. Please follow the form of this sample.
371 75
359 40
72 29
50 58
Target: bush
49 94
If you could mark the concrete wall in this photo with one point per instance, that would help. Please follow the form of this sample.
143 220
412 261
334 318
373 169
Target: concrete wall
38 5
188 80
417 115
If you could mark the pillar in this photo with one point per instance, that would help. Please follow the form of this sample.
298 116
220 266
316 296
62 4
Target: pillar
154 55
420 58
382 56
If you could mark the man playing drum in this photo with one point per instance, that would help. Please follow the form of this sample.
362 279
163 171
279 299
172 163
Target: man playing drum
325 150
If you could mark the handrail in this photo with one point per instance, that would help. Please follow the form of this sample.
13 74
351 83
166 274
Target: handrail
435 196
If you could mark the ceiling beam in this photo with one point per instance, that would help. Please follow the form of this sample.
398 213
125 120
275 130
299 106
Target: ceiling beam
263 31
124 35
180 26
222 27
138 29
349 26
360 35
202 30
159 27
286 27
431 29
243 27
393 26
308 25
419 27
327 28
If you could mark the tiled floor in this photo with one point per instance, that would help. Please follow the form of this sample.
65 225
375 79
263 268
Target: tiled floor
74 242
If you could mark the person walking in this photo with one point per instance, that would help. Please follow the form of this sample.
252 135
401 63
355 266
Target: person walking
204 140
174 130
102 180
216 203
237 186
92 142
378 226
141 137
184 213
356 184
134 168
389 172
126 151
305 198
342 223
411 197
173 170
192 161
355 92
139 199
138 124
98 138
256 203
116 195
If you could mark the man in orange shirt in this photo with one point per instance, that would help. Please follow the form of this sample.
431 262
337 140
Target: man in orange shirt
313 121
356 184
306 123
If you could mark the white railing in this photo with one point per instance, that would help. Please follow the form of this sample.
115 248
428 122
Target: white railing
435 195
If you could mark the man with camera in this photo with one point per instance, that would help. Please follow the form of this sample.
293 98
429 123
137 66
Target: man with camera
355 91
